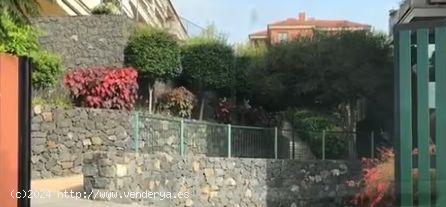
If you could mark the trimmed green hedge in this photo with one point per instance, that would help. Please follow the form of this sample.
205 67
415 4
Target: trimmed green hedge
154 53
208 64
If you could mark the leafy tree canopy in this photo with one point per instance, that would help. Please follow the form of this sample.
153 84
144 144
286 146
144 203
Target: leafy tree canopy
326 70
208 61
155 53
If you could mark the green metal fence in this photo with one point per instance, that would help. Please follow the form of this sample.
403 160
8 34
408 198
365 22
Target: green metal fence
420 54
152 134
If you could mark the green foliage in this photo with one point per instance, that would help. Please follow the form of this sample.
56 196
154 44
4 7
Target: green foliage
20 9
22 40
324 72
17 39
209 34
155 53
178 102
106 8
47 70
249 62
60 102
310 125
313 121
2 49
117 3
208 64
334 69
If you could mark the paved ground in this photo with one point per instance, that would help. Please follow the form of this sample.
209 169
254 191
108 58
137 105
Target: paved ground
59 184
61 202
49 196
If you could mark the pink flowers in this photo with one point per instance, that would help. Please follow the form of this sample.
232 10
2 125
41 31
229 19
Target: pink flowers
378 181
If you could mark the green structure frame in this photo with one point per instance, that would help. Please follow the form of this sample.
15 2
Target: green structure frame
412 115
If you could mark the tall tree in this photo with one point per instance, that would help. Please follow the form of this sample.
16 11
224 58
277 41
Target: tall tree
329 71
332 69
155 54
208 63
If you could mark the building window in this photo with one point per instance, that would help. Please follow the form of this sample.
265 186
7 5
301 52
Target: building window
283 36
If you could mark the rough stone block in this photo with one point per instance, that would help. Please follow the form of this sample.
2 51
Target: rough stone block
121 170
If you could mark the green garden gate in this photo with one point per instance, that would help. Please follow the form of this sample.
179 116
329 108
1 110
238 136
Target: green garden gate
420 121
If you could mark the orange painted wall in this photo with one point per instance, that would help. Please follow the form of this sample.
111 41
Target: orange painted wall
48 8
9 149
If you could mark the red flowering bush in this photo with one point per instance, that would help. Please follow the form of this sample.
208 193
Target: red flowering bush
178 102
378 186
103 87
378 181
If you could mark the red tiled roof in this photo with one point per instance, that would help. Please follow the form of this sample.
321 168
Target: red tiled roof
319 23
260 33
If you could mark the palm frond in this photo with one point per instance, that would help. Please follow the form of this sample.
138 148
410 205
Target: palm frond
21 10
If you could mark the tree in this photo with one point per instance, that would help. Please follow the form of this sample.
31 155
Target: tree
249 60
155 54
333 71
208 63
329 71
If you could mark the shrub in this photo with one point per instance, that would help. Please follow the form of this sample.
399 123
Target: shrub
105 8
310 124
47 70
224 110
22 40
59 102
17 39
208 64
377 184
249 61
178 102
103 87
378 180
153 52
156 55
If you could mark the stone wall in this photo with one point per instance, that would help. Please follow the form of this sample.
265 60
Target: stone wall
219 181
61 137
86 41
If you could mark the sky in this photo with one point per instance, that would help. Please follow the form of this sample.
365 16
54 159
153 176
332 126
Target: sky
238 18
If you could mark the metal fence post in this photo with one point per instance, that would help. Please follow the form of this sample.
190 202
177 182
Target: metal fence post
229 141
136 130
275 143
323 144
372 144
182 137
294 144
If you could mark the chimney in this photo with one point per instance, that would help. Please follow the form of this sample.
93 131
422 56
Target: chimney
302 16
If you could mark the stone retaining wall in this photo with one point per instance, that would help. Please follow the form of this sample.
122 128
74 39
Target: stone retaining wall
61 137
86 41
220 181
